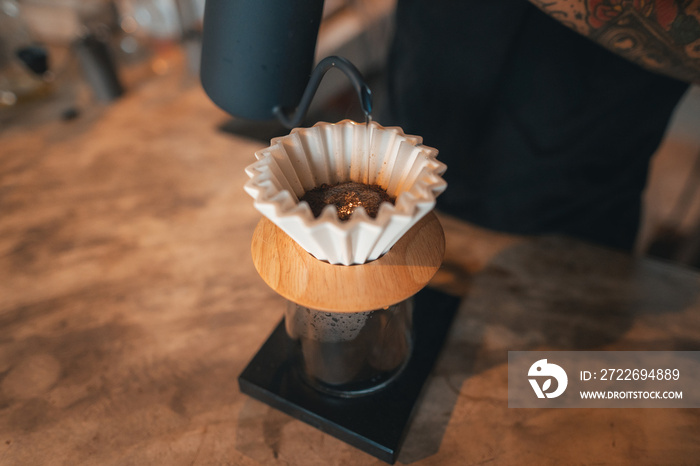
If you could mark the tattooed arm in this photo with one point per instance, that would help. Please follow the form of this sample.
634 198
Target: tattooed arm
661 35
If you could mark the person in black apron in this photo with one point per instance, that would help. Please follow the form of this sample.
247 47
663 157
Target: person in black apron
542 130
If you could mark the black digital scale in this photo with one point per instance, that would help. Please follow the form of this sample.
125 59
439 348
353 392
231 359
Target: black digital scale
375 423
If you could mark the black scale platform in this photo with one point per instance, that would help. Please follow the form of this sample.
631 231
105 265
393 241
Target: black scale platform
375 423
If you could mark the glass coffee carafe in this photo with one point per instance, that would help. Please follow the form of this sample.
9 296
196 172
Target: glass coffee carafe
351 353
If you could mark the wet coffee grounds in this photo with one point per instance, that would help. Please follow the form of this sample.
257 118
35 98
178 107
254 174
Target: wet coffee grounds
347 197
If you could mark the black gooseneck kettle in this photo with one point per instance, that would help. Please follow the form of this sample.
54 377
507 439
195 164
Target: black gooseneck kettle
258 55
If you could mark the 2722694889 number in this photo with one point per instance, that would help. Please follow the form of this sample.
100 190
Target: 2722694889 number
639 374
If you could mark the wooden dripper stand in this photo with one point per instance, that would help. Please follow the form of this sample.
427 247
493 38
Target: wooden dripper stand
351 341
301 278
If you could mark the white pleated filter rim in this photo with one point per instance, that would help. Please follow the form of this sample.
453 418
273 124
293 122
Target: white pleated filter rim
330 153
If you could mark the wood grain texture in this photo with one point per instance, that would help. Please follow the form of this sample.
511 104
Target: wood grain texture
295 274
129 304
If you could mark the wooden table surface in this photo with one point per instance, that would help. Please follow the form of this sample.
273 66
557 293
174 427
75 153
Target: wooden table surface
129 304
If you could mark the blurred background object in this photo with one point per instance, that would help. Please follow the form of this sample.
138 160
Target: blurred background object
24 64
98 66
93 51
671 224
148 22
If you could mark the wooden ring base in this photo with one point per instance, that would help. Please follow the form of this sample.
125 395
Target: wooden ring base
399 274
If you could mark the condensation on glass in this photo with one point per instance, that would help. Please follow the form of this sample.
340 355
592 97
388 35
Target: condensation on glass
351 354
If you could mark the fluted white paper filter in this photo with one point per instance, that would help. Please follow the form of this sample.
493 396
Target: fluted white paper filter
331 153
